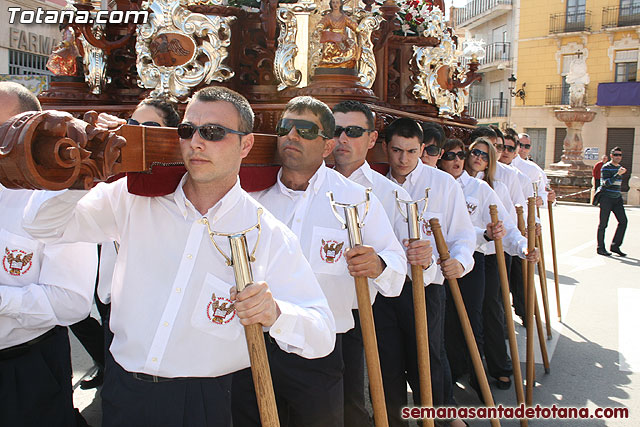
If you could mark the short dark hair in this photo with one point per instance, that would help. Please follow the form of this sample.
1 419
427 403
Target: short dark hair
512 138
27 101
511 131
616 148
452 143
240 103
356 106
498 132
302 104
482 132
404 127
432 131
170 116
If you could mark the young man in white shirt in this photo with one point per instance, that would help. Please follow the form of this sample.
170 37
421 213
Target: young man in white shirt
532 170
176 317
43 289
355 134
299 198
403 145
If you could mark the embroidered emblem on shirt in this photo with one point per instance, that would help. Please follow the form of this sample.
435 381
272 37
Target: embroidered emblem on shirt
426 228
220 310
16 262
331 251
471 208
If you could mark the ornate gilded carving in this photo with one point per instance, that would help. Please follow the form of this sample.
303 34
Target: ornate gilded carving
436 70
95 63
284 67
367 68
200 35
52 150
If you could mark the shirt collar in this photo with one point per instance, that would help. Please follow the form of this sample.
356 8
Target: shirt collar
315 183
364 170
413 176
223 206
463 179
517 159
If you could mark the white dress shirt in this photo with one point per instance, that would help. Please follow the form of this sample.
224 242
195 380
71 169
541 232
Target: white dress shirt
479 196
535 174
308 213
170 311
385 191
41 286
447 204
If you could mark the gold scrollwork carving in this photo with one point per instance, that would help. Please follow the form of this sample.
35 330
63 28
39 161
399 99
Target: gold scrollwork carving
284 67
95 64
176 35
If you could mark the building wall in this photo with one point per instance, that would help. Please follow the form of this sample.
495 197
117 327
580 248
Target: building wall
539 63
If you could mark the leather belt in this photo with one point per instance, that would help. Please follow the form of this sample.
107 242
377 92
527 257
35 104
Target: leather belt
151 378
22 349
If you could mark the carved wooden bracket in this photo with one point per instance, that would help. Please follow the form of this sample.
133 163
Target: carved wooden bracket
52 150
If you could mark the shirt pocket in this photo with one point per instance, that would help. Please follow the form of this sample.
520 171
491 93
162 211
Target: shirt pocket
215 313
328 246
426 227
20 259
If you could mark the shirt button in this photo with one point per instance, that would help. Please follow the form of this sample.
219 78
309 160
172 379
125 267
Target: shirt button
154 359
189 256
278 331
165 324
297 220
178 290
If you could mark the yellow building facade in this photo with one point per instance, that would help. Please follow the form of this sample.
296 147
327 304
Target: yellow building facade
606 33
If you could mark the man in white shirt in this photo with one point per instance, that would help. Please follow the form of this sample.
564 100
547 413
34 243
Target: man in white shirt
43 289
403 145
355 134
299 199
530 168
176 317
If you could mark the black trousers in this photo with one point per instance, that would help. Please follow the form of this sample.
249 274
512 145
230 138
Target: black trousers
309 392
35 387
355 412
516 285
472 290
495 348
396 333
186 402
608 205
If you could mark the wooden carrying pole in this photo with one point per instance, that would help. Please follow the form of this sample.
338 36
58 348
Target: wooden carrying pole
443 252
531 241
255 338
555 260
420 312
536 313
542 278
506 300
365 311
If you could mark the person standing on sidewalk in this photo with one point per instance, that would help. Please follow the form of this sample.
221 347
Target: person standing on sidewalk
611 200
597 168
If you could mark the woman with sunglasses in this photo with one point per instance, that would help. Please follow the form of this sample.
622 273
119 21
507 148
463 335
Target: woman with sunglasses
149 112
479 196
481 164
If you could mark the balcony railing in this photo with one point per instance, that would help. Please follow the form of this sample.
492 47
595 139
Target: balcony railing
496 107
617 16
475 8
559 95
570 22
495 52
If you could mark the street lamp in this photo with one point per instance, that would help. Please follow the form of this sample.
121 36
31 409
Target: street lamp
520 93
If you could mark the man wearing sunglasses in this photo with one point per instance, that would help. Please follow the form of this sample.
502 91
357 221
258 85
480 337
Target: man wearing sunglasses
403 146
526 167
313 389
355 134
611 201
176 317
433 139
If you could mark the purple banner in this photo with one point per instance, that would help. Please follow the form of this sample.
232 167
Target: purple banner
623 93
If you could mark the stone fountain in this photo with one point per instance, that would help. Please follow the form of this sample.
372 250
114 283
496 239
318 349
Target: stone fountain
571 174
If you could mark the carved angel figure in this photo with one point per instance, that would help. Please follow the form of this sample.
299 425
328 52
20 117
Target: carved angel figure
62 61
577 78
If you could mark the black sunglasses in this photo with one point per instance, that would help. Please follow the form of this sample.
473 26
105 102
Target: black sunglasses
509 148
616 154
432 150
525 146
208 132
306 129
481 154
351 131
137 123
450 155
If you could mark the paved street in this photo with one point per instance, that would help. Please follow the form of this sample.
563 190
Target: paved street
595 350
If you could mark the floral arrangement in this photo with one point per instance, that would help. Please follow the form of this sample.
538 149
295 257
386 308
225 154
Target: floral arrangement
414 16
